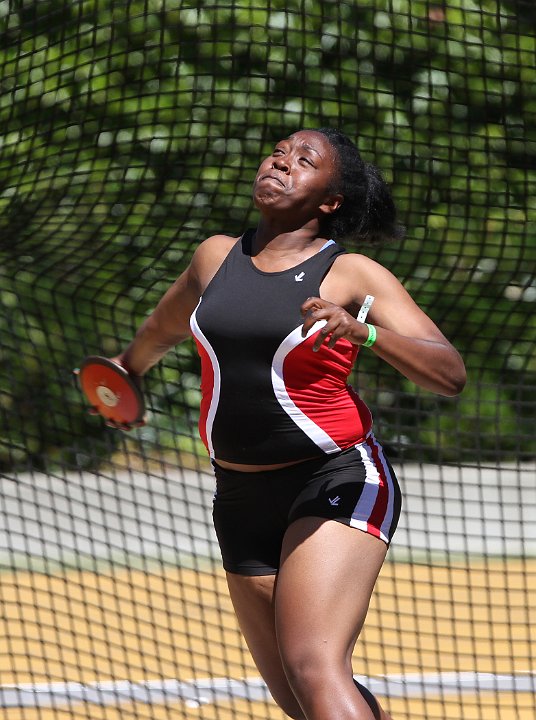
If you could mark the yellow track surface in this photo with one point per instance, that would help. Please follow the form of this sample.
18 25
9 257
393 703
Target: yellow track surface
175 623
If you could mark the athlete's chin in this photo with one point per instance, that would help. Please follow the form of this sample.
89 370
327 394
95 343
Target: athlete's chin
266 199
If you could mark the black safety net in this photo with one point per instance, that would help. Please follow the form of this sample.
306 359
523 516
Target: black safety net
131 131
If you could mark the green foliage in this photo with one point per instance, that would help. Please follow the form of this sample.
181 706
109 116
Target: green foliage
130 131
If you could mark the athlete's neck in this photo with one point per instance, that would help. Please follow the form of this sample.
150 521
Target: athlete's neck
278 242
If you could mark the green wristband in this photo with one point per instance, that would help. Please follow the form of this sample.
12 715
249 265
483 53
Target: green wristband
369 342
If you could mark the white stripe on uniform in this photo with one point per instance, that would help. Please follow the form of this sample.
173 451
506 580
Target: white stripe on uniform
310 428
217 377
369 496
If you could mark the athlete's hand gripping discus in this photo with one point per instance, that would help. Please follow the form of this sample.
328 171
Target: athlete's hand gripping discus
111 391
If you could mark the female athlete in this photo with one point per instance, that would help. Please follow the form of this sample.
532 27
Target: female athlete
306 502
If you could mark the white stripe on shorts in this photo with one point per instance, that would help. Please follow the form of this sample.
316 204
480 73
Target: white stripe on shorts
375 472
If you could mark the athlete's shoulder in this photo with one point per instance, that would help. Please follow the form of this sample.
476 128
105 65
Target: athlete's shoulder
215 246
355 275
356 264
209 255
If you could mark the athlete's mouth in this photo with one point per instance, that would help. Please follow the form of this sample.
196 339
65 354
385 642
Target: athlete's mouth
270 176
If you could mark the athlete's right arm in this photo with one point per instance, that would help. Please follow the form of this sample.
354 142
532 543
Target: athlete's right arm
169 323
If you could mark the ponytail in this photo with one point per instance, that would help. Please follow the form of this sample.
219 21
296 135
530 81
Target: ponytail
367 215
379 222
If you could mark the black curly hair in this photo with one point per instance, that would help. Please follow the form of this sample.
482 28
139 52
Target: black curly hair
367 215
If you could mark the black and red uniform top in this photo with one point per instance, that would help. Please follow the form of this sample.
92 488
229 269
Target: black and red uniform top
266 396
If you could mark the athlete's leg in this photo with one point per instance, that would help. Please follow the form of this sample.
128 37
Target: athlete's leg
253 601
327 575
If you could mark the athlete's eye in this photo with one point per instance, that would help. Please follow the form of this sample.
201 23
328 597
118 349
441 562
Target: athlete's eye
308 161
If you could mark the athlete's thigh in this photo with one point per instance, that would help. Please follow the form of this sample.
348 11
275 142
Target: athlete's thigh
327 574
253 601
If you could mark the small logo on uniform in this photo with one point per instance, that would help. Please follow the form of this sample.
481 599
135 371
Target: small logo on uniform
334 501
299 278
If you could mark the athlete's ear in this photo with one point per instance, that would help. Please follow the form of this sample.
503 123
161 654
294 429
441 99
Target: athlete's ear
332 203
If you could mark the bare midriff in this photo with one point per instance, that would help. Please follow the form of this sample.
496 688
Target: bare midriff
256 468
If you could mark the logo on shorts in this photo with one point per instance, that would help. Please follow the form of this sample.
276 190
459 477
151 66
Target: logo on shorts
334 501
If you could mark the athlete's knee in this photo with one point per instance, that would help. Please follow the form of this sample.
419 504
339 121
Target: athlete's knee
306 672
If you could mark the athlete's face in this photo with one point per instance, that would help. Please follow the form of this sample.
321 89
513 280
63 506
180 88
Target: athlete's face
297 176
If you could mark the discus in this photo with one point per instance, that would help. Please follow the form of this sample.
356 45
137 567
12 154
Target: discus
111 391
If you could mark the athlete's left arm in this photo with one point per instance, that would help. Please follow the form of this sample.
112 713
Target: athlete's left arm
406 337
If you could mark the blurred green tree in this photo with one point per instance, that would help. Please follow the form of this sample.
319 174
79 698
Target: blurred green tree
131 131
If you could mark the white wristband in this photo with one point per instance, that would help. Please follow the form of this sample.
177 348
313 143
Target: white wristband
363 312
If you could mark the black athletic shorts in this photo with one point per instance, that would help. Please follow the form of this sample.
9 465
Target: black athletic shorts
252 511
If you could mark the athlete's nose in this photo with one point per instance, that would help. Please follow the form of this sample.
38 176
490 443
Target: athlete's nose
281 164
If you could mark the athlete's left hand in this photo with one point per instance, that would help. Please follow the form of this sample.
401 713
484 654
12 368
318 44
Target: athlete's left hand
339 323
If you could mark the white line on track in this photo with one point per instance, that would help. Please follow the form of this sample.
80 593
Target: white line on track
206 691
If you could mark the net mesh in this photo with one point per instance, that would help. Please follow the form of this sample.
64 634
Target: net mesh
132 130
